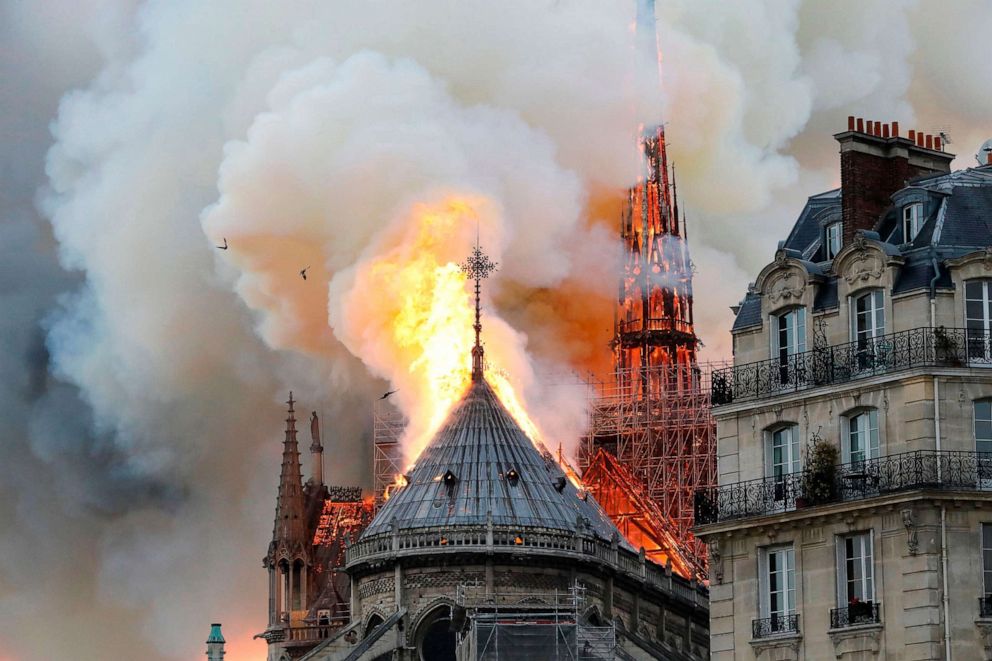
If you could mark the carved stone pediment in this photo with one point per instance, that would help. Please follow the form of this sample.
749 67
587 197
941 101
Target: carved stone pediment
785 286
864 266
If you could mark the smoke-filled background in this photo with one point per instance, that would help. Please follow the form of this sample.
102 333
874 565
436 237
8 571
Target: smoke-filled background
142 371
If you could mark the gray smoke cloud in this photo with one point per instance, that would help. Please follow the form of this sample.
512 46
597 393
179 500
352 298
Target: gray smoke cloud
142 377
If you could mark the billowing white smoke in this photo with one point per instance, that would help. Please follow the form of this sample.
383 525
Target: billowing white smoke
138 484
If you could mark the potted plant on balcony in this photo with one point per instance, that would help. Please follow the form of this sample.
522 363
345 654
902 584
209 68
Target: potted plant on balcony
859 612
819 480
946 348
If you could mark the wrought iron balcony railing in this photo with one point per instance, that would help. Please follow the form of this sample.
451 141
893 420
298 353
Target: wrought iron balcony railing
985 606
855 614
920 469
919 347
776 625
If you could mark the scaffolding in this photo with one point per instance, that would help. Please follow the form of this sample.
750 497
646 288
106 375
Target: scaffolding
658 424
387 455
513 625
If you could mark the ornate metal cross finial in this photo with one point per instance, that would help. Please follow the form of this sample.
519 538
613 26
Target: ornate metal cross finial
478 266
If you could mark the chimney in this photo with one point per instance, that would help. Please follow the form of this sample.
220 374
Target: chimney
875 162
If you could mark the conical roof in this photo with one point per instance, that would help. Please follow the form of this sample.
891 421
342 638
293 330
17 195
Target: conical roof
482 464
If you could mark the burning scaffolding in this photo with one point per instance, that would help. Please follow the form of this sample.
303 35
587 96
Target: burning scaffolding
654 416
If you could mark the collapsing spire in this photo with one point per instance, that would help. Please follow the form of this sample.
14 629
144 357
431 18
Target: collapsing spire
478 266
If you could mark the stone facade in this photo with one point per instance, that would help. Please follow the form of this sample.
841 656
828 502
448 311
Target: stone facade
917 500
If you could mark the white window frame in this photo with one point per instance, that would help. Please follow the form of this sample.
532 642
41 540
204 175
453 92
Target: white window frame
985 541
861 424
795 331
912 221
792 457
979 334
874 315
863 557
983 440
833 238
783 556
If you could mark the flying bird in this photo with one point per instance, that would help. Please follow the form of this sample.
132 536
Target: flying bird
223 247
388 394
304 273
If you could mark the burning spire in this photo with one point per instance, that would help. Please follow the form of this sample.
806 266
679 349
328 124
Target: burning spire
478 267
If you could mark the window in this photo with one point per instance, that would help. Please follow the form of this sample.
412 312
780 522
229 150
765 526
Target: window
855 574
833 239
782 459
783 452
788 339
983 441
868 317
912 221
983 426
862 436
978 313
778 587
987 559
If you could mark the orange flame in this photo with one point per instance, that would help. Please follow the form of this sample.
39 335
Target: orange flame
418 322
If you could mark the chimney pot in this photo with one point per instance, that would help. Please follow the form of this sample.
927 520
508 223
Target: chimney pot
895 129
936 143
988 158
919 139
912 135
885 130
878 129
850 122
929 141
861 125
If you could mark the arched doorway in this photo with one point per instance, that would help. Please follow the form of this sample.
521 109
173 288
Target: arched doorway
435 640
370 626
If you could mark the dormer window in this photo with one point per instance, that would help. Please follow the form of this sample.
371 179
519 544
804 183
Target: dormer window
834 237
912 221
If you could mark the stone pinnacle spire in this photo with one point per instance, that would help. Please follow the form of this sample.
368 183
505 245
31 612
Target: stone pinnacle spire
215 644
478 266
288 528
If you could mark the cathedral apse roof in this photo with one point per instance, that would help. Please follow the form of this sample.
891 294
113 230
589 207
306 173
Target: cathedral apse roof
481 465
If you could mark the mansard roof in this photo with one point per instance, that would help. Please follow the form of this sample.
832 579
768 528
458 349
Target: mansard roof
958 221
481 464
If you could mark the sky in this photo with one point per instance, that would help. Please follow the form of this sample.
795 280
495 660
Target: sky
143 372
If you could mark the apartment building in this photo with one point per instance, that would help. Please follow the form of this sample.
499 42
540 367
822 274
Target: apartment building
853 513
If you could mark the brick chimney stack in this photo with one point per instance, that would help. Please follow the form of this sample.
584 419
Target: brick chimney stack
875 162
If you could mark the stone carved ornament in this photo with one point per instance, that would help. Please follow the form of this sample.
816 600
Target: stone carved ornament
785 286
716 561
866 265
912 539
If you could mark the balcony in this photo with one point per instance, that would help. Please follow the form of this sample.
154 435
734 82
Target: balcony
776 625
855 614
985 607
669 324
919 347
907 471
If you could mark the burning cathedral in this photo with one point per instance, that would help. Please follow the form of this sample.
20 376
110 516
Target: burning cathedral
489 550
490 547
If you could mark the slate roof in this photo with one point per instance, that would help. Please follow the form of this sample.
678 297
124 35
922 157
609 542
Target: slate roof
959 221
479 445
749 314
